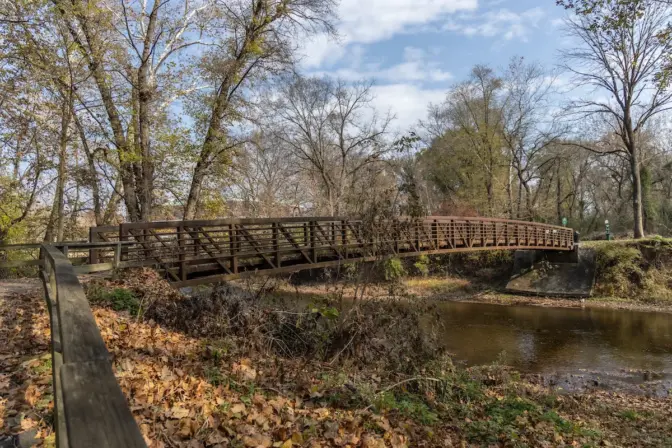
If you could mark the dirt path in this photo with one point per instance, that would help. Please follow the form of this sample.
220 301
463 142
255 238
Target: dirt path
18 286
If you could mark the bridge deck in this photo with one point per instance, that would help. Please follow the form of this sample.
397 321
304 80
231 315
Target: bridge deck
195 252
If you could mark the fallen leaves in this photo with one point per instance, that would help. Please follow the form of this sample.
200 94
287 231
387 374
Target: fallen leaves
184 391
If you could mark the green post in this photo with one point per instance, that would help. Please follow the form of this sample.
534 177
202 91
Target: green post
564 221
608 229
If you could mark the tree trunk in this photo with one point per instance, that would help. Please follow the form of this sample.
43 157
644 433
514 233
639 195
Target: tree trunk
195 190
91 51
491 200
519 200
214 135
509 190
638 225
93 173
113 203
558 193
145 91
213 138
55 228
648 209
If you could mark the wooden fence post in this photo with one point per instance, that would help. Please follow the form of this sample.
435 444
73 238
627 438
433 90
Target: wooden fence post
93 253
117 255
123 236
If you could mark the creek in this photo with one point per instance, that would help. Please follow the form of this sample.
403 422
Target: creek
560 340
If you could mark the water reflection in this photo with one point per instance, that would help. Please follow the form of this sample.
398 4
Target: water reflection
538 339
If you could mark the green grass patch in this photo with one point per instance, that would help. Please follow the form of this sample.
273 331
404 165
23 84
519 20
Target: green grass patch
440 285
119 299
408 405
44 366
631 415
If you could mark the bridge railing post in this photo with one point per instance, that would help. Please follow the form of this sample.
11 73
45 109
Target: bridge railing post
416 230
276 244
233 249
313 240
344 238
182 256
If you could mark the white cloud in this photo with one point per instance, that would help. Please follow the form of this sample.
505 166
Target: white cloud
407 102
416 67
373 20
368 21
503 22
557 22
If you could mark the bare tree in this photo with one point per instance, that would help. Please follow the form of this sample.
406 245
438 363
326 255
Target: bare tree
266 176
334 131
529 127
626 61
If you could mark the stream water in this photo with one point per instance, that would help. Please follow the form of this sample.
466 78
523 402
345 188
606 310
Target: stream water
552 340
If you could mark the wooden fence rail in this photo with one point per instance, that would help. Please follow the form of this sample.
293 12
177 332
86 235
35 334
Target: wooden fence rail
89 407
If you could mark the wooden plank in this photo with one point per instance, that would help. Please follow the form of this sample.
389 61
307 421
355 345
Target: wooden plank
79 334
96 412
226 222
90 409
20 263
91 268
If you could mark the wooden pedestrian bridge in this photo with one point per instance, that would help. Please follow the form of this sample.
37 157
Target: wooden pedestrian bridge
90 409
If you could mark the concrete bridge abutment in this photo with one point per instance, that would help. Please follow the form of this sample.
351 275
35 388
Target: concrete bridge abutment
553 273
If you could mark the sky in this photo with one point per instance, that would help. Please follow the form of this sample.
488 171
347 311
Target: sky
414 50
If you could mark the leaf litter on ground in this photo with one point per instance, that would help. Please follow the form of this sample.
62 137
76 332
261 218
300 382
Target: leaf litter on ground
217 389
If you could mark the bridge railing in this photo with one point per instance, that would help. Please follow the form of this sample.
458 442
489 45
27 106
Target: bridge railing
89 407
239 247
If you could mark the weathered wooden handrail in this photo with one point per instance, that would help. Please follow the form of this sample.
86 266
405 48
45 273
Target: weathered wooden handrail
89 407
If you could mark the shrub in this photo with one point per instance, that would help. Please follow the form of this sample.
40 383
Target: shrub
422 265
619 269
393 269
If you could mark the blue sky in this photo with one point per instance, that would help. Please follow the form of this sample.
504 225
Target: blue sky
415 49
